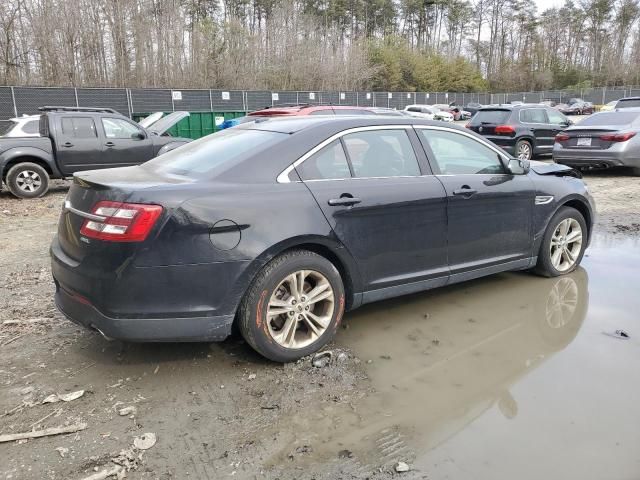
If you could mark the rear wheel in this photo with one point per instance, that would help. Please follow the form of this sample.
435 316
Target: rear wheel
524 150
27 180
293 307
563 244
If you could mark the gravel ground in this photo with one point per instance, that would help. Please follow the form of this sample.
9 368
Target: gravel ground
217 409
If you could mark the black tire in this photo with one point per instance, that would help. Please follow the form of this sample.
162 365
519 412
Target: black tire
252 313
545 266
521 144
36 174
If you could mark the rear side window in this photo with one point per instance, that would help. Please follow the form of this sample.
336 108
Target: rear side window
32 126
491 117
632 102
328 163
78 127
610 118
214 152
533 115
381 153
414 109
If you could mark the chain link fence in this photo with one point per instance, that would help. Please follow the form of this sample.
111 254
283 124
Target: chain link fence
17 101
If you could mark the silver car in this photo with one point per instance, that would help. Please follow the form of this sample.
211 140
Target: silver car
603 140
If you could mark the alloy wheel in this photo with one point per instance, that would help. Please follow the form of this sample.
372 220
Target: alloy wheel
300 309
566 244
28 181
524 151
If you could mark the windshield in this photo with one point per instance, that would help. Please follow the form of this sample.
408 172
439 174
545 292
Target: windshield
491 116
610 118
628 103
206 156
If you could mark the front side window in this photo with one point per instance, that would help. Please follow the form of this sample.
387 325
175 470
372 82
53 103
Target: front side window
329 162
458 154
381 153
79 127
556 118
533 115
118 128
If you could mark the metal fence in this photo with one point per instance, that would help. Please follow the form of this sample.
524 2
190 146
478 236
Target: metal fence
17 101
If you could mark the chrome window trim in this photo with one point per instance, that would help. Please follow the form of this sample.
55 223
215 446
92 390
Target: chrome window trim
284 175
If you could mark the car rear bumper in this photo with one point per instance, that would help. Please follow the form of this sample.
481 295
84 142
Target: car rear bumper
190 329
593 159
148 304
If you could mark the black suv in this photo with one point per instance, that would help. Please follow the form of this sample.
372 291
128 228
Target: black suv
521 130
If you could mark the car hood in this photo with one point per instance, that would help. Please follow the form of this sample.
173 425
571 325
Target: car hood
146 122
164 124
543 168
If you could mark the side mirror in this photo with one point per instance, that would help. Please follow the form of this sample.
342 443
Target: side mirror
517 166
138 136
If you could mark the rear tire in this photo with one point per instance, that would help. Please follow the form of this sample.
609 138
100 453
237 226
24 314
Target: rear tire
27 180
524 150
293 307
563 243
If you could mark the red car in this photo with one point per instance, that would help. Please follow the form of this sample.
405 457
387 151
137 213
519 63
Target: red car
295 110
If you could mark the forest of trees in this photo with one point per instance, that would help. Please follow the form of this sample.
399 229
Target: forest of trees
428 45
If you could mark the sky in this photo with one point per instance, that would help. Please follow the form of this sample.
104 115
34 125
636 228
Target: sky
545 4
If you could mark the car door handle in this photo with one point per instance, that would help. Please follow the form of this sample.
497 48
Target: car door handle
465 191
67 144
109 144
344 201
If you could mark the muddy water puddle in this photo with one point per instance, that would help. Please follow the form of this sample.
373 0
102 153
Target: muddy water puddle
507 377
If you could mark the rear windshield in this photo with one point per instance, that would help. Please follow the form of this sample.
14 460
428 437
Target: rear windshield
632 102
213 153
491 116
610 118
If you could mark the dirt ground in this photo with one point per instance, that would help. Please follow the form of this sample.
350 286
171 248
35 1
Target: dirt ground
219 410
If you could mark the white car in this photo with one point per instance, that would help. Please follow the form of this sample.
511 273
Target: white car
429 112
25 126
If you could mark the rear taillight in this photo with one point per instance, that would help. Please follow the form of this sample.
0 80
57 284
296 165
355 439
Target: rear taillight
562 137
508 129
617 137
123 222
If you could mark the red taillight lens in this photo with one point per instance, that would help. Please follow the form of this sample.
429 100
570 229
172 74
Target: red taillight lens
124 222
562 137
617 137
505 129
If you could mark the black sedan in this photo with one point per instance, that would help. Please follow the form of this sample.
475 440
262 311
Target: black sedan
278 226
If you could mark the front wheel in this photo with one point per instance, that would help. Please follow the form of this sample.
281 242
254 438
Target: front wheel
27 180
563 244
293 307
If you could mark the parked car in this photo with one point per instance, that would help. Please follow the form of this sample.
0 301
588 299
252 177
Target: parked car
628 102
571 101
473 107
25 126
428 112
521 130
447 109
605 139
389 112
576 108
76 139
458 113
279 226
609 106
288 110
548 103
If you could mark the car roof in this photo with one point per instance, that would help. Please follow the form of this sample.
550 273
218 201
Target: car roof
307 108
339 123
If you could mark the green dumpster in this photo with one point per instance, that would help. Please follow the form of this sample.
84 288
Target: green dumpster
197 124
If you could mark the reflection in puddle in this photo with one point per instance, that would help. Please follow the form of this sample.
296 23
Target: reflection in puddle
497 376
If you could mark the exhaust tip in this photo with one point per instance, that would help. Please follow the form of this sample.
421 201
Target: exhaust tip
106 337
